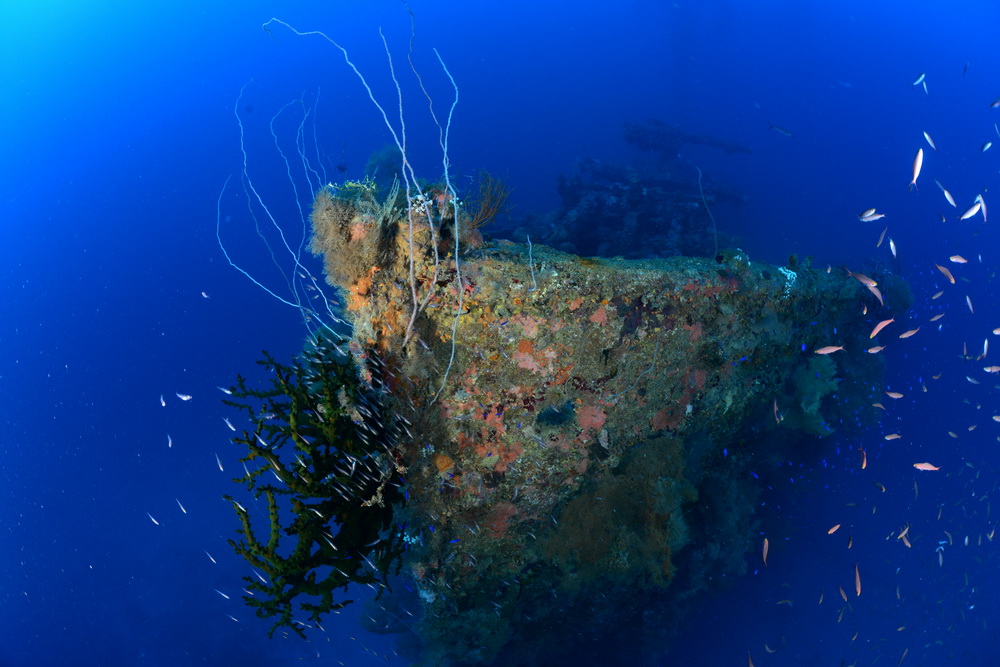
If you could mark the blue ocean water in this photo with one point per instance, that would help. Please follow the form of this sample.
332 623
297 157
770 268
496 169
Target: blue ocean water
122 125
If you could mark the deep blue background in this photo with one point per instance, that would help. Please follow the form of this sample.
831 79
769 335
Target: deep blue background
118 133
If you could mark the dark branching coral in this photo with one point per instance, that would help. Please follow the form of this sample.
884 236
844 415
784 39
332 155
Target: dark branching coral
490 202
323 455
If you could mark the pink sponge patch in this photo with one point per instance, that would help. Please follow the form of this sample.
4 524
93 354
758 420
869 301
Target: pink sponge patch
591 416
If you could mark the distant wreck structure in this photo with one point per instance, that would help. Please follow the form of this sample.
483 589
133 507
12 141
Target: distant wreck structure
656 136
654 209
582 433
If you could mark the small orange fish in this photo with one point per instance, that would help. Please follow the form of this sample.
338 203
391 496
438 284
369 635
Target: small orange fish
937 317
876 349
874 290
881 325
893 394
937 295
879 405
947 274
864 462
907 334
905 531
764 552
777 413
862 278
968 302
842 593
829 349
833 530
893 436
958 259
881 238
857 579
925 466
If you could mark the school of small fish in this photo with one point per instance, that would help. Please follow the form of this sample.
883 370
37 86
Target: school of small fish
363 468
927 535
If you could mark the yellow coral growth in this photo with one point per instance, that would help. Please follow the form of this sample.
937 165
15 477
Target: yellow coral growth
357 296
443 463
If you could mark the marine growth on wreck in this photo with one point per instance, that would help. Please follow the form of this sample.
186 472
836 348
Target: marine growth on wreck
564 445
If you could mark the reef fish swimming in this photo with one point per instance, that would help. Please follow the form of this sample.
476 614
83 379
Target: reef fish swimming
918 163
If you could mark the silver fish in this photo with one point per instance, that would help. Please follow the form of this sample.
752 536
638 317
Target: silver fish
918 163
